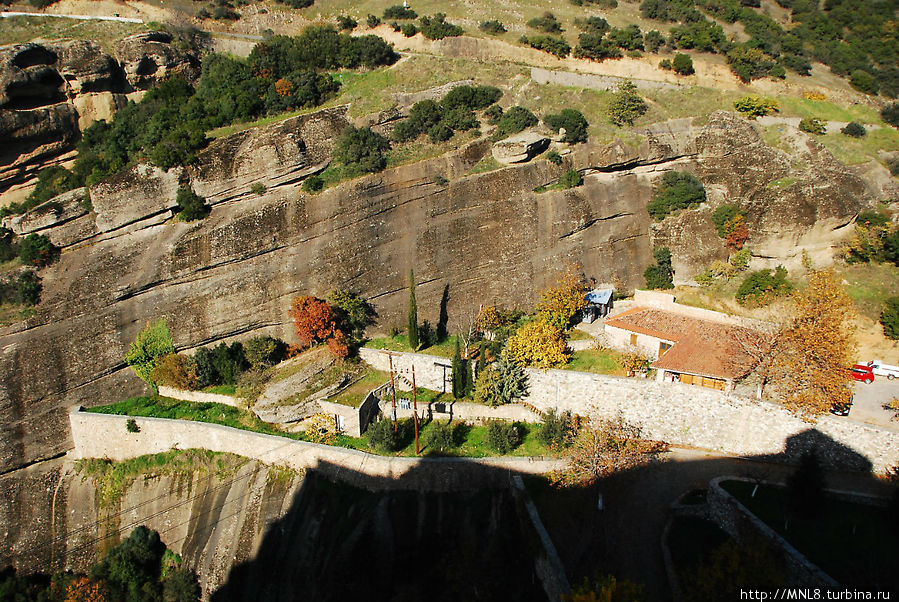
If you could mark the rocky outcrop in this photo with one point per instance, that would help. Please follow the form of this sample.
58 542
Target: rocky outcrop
520 147
484 238
148 57
50 92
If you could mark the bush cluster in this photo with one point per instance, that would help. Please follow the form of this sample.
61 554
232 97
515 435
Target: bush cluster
763 286
682 64
678 190
24 289
570 179
361 149
547 23
556 429
556 46
492 27
191 206
437 28
454 113
514 120
398 11
502 437
572 121
812 125
854 129
755 106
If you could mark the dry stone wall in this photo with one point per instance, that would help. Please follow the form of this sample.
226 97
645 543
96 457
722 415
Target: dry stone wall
686 415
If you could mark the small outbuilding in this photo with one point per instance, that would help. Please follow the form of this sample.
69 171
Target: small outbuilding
599 304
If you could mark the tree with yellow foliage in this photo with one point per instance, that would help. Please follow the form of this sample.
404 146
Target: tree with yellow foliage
560 302
539 344
82 589
321 428
812 356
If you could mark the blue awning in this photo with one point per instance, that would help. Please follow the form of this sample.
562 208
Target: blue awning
600 296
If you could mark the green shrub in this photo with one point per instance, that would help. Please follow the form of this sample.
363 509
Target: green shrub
51 182
398 11
372 21
594 25
28 288
749 63
264 351
492 27
890 114
472 98
150 344
440 436
437 28
629 38
893 165
346 23
514 120
131 426
660 275
547 23
812 125
409 29
872 217
889 318
570 179
361 148
626 105
854 129
556 429
493 114
554 157
653 40
258 188
755 106
573 121
678 190
314 183
596 47
763 286
8 248
777 72
381 436
666 64
502 437
863 81
722 215
37 250
556 46
191 206
682 64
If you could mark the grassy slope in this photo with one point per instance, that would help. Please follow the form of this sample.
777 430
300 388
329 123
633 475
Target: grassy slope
17 30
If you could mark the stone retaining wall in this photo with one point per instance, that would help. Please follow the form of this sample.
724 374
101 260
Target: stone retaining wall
107 436
685 415
738 522
197 396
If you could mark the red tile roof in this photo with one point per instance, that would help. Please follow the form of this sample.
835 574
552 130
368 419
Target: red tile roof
701 347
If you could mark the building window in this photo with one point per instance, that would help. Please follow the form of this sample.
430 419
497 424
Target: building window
663 347
633 339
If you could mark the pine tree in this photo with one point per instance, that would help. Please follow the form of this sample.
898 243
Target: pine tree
458 373
412 330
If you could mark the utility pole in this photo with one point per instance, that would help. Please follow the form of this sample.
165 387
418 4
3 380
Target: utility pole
393 390
415 408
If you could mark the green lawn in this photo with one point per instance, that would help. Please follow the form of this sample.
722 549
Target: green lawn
355 394
221 389
445 348
851 151
795 106
598 361
870 284
215 413
853 543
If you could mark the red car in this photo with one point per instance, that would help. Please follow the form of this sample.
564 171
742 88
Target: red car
863 373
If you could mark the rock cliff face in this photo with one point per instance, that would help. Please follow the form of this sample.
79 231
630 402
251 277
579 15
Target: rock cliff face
485 238
244 523
50 92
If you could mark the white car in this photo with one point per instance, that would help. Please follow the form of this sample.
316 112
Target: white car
881 369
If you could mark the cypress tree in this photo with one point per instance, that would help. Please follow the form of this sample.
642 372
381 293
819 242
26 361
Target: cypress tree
412 330
458 373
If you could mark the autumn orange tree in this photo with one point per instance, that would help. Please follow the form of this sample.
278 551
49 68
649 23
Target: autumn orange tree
813 354
314 322
539 344
560 302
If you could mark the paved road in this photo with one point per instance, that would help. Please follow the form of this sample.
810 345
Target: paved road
868 404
